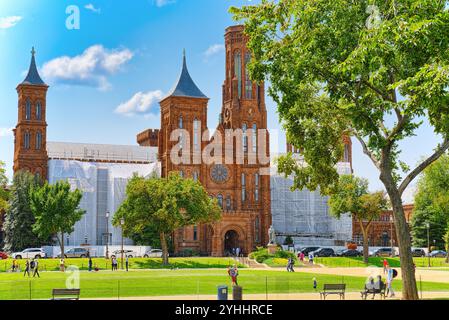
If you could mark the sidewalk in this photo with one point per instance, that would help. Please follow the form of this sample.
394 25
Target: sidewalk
279 296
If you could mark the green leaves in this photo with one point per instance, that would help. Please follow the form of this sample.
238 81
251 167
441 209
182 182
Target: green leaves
352 196
165 204
56 208
333 72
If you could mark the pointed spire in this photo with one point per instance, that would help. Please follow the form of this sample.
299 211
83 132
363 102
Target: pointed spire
33 76
185 87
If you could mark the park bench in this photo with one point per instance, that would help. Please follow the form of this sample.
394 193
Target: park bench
380 291
338 288
66 294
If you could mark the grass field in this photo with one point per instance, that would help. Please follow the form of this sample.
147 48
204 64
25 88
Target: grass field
134 263
341 262
107 284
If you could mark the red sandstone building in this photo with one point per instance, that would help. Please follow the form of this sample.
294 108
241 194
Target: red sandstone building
242 191
382 230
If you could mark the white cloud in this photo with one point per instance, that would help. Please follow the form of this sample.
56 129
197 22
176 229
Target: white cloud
213 50
92 8
90 68
9 22
6 132
161 3
141 103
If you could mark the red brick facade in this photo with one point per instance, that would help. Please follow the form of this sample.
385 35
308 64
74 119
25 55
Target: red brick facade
30 134
382 230
244 191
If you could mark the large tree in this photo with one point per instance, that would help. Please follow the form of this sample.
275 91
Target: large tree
352 196
19 219
56 209
372 69
432 204
165 204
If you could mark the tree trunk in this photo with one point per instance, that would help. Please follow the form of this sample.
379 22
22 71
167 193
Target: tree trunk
365 242
409 288
164 248
61 247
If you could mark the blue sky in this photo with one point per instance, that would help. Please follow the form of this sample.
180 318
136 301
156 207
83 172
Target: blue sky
107 76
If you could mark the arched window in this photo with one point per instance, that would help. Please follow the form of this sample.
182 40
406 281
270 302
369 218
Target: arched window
256 227
256 189
196 135
181 136
254 138
220 200
38 140
228 202
245 138
26 140
243 187
28 109
195 233
248 82
238 70
38 111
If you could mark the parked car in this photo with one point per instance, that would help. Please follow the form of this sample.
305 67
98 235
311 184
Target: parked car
383 252
324 252
29 253
418 252
153 253
438 254
306 250
349 253
126 253
76 253
3 256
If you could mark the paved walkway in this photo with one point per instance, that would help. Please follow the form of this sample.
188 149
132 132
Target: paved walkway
281 296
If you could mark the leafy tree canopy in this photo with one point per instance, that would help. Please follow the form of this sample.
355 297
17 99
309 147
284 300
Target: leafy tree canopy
432 204
56 209
165 204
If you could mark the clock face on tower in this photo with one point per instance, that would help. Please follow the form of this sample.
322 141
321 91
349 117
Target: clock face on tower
219 173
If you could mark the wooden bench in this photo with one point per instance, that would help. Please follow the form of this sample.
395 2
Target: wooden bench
66 294
338 288
380 291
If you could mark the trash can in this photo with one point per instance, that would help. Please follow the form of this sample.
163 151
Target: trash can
222 292
237 293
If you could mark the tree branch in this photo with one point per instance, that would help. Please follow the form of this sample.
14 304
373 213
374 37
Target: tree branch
367 151
440 150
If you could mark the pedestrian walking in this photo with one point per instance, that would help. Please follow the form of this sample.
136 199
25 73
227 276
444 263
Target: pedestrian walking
311 257
315 283
27 268
127 263
385 264
61 265
36 268
237 252
391 274
233 273
90 264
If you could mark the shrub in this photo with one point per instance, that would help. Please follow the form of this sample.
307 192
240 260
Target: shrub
288 241
284 254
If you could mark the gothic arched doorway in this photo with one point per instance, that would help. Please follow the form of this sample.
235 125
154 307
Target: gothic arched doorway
231 240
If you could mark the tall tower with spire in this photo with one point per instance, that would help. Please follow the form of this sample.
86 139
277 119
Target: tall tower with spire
30 134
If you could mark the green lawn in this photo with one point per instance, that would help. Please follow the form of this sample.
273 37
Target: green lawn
377 261
109 284
134 263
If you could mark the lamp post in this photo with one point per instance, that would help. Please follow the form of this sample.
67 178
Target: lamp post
428 244
391 233
107 235
122 222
